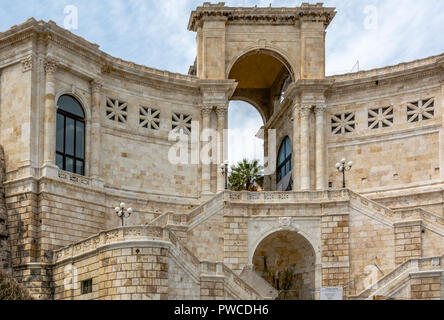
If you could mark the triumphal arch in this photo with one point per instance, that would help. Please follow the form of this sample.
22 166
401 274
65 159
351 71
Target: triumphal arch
82 132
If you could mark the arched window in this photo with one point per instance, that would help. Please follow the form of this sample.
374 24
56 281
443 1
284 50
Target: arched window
284 160
70 144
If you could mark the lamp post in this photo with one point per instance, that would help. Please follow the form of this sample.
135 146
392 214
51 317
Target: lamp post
343 167
122 212
225 172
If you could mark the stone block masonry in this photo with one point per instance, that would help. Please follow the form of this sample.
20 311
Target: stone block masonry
426 287
5 249
335 250
408 242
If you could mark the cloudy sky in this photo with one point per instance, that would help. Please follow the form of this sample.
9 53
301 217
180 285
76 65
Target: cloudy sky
154 33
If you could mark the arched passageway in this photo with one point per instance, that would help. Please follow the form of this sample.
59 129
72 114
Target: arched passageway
261 75
288 262
244 122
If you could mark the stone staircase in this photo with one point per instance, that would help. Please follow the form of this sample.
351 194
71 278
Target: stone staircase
250 276
387 216
392 282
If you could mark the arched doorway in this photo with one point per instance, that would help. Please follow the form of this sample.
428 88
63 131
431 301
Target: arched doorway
287 261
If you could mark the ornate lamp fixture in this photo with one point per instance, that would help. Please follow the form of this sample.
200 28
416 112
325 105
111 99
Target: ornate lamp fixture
122 212
343 167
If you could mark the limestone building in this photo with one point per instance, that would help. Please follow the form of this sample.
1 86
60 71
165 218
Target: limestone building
83 131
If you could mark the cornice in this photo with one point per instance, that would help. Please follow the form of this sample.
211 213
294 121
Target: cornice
226 87
261 15
373 81
50 33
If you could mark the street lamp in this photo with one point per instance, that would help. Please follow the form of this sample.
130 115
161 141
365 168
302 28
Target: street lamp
225 172
343 167
122 212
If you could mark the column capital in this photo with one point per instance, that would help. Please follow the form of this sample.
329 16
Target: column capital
50 65
27 63
96 85
305 110
221 111
320 109
206 109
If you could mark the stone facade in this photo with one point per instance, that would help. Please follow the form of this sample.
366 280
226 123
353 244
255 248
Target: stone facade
190 239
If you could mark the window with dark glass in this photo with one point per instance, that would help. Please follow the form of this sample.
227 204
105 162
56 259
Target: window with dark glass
284 160
86 286
70 140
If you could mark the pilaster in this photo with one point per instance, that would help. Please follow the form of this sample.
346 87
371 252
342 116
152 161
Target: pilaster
305 112
320 147
96 136
221 112
50 168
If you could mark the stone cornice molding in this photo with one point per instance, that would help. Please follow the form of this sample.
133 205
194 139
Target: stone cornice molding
256 15
402 72
52 34
313 85
216 92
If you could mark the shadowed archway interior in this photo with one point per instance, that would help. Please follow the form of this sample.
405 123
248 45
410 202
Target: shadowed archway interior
260 75
287 261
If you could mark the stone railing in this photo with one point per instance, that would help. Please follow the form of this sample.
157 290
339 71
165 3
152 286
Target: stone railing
204 207
170 218
294 197
185 253
407 268
233 282
104 238
74 178
420 214
386 212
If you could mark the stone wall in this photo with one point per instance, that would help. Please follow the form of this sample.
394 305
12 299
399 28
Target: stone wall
5 248
131 273
335 250
408 244
426 287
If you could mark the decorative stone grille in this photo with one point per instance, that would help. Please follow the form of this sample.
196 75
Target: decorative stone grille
149 118
181 123
343 123
420 110
116 110
380 118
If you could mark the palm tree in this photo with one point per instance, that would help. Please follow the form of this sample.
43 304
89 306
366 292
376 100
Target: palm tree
247 175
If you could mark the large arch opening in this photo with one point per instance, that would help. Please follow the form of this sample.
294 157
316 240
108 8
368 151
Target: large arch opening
287 261
262 76
244 122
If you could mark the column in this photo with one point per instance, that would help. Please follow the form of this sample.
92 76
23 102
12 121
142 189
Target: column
295 153
96 138
50 113
206 167
305 112
320 147
267 184
221 112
